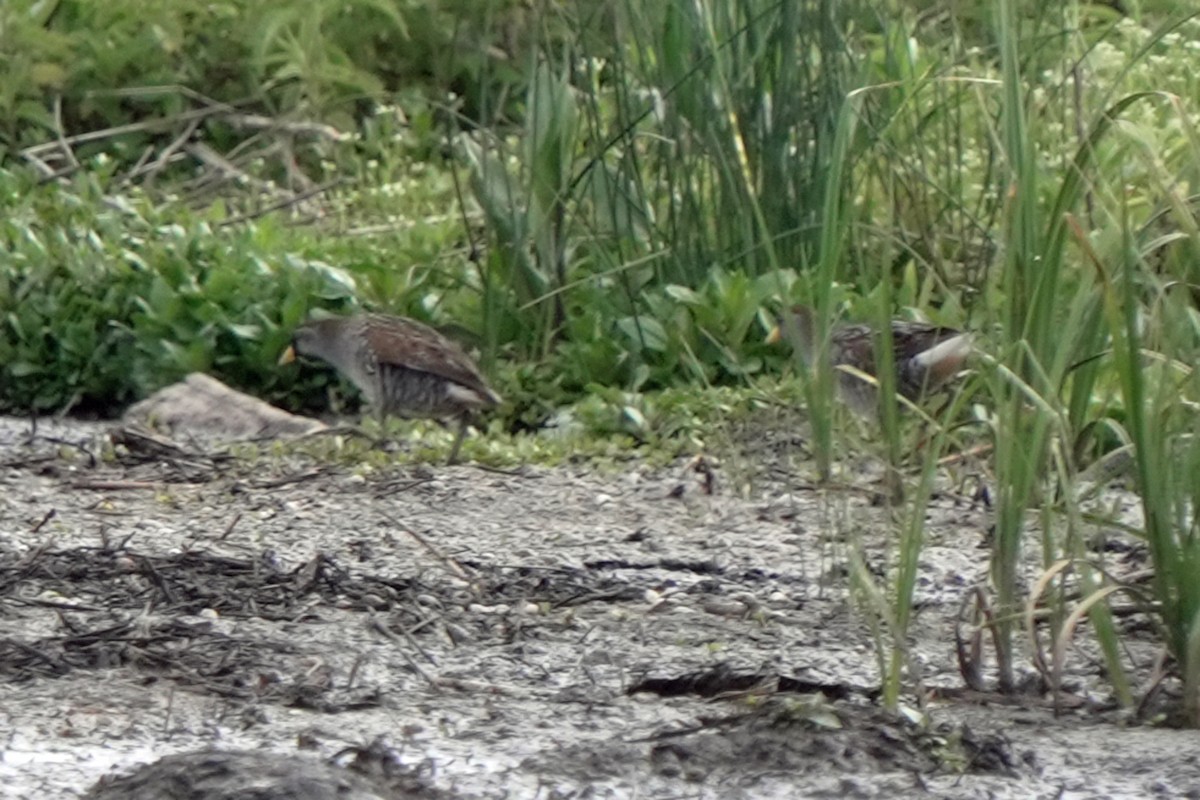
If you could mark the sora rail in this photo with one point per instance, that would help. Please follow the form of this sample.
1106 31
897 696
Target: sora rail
403 367
926 356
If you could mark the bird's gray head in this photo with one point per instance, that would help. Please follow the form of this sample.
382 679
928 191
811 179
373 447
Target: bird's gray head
323 338
797 326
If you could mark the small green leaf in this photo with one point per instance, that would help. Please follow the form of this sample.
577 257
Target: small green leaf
634 417
647 331
23 369
243 331
684 295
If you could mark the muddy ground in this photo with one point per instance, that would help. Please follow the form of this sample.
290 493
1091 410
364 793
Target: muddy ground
549 633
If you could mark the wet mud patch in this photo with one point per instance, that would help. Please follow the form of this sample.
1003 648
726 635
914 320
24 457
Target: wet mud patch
798 727
369 773
800 740
810 737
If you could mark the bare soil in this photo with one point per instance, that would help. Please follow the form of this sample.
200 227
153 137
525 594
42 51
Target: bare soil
549 633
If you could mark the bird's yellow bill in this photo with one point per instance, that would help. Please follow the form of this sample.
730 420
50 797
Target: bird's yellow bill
288 356
774 336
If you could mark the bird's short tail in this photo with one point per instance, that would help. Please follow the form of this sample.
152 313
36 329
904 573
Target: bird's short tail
482 397
945 359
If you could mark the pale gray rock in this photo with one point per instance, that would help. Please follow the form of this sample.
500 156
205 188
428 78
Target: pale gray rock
201 406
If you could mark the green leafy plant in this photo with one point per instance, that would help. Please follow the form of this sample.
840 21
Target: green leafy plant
101 306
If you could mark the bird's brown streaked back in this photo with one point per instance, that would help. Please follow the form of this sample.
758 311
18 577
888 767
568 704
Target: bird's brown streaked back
404 342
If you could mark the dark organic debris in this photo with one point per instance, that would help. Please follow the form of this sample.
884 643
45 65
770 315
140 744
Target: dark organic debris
257 775
184 583
171 615
557 587
146 452
776 737
991 752
834 729
167 616
668 564
779 735
723 680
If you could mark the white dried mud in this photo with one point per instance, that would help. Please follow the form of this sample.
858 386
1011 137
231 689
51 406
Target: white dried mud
496 660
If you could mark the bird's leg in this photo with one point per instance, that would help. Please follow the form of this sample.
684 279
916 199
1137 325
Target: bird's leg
383 441
893 485
458 440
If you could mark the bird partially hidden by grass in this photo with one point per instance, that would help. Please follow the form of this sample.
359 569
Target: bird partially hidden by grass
403 367
925 356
